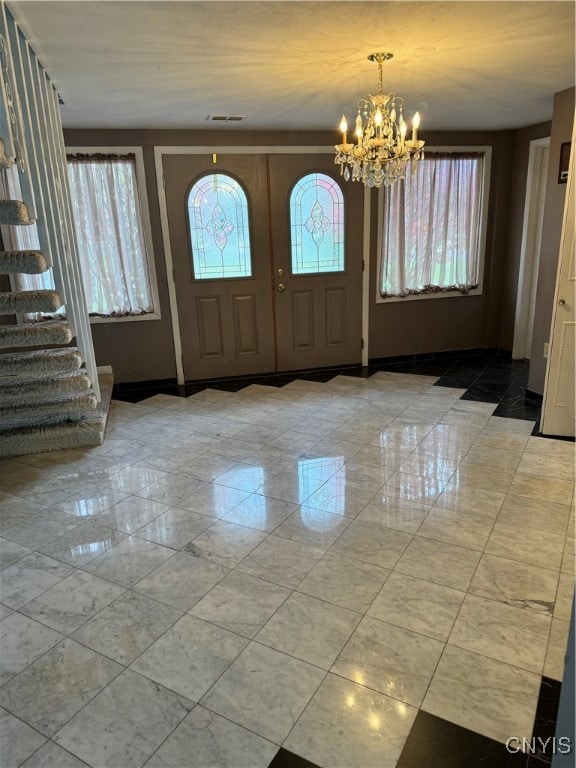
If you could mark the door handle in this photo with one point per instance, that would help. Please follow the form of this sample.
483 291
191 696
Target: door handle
281 287
562 302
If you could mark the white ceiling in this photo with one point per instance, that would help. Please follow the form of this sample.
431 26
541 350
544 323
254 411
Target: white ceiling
296 65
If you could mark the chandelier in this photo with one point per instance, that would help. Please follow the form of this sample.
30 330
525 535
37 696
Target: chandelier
382 151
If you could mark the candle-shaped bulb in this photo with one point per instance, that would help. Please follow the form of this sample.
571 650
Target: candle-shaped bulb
415 125
378 117
359 131
343 124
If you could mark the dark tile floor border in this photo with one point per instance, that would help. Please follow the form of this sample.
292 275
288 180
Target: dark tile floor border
437 743
487 375
546 716
286 759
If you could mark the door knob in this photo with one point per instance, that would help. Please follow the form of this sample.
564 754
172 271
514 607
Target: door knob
281 287
562 302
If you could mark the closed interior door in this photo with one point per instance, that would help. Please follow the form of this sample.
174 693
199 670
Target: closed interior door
267 254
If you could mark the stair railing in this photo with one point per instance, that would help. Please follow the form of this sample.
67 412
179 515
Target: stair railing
29 112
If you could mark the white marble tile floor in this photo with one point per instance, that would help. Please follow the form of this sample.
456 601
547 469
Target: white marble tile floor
304 567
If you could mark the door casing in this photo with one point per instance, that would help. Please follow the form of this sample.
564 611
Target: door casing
530 249
159 152
559 400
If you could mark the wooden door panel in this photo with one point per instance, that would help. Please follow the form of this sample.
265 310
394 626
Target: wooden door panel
336 320
209 316
244 311
303 336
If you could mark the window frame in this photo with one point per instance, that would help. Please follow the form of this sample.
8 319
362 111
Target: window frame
335 179
156 313
253 265
487 152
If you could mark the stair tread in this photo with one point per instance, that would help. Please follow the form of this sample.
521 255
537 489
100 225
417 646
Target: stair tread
23 262
59 379
5 161
42 300
53 437
64 377
20 416
90 420
45 390
37 354
84 400
15 212
85 433
34 292
20 366
52 332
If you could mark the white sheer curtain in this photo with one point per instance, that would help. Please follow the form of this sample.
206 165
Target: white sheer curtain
110 238
431 226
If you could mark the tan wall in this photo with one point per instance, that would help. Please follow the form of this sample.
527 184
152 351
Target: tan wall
144 350
518 199
456 322
562 121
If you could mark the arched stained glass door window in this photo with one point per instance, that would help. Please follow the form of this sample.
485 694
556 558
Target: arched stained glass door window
219 231
317 225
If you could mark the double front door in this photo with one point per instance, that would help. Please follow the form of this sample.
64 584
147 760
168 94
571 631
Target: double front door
267 254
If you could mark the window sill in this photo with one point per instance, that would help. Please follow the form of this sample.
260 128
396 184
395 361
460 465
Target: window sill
427 296
97 320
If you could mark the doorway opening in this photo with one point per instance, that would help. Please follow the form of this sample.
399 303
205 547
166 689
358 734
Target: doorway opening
530 250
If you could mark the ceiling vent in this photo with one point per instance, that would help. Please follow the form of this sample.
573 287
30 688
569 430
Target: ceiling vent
227 118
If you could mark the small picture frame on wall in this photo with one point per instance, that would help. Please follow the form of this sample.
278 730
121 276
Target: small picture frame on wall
564 162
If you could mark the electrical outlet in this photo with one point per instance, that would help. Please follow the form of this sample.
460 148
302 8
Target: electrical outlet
546 348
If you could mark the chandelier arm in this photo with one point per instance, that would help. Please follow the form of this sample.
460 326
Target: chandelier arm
382 153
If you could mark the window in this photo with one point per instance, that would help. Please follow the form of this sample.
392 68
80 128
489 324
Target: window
219 231
317 225
110 234
432 227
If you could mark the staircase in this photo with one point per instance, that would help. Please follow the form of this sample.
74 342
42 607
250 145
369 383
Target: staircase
46 398
50 388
